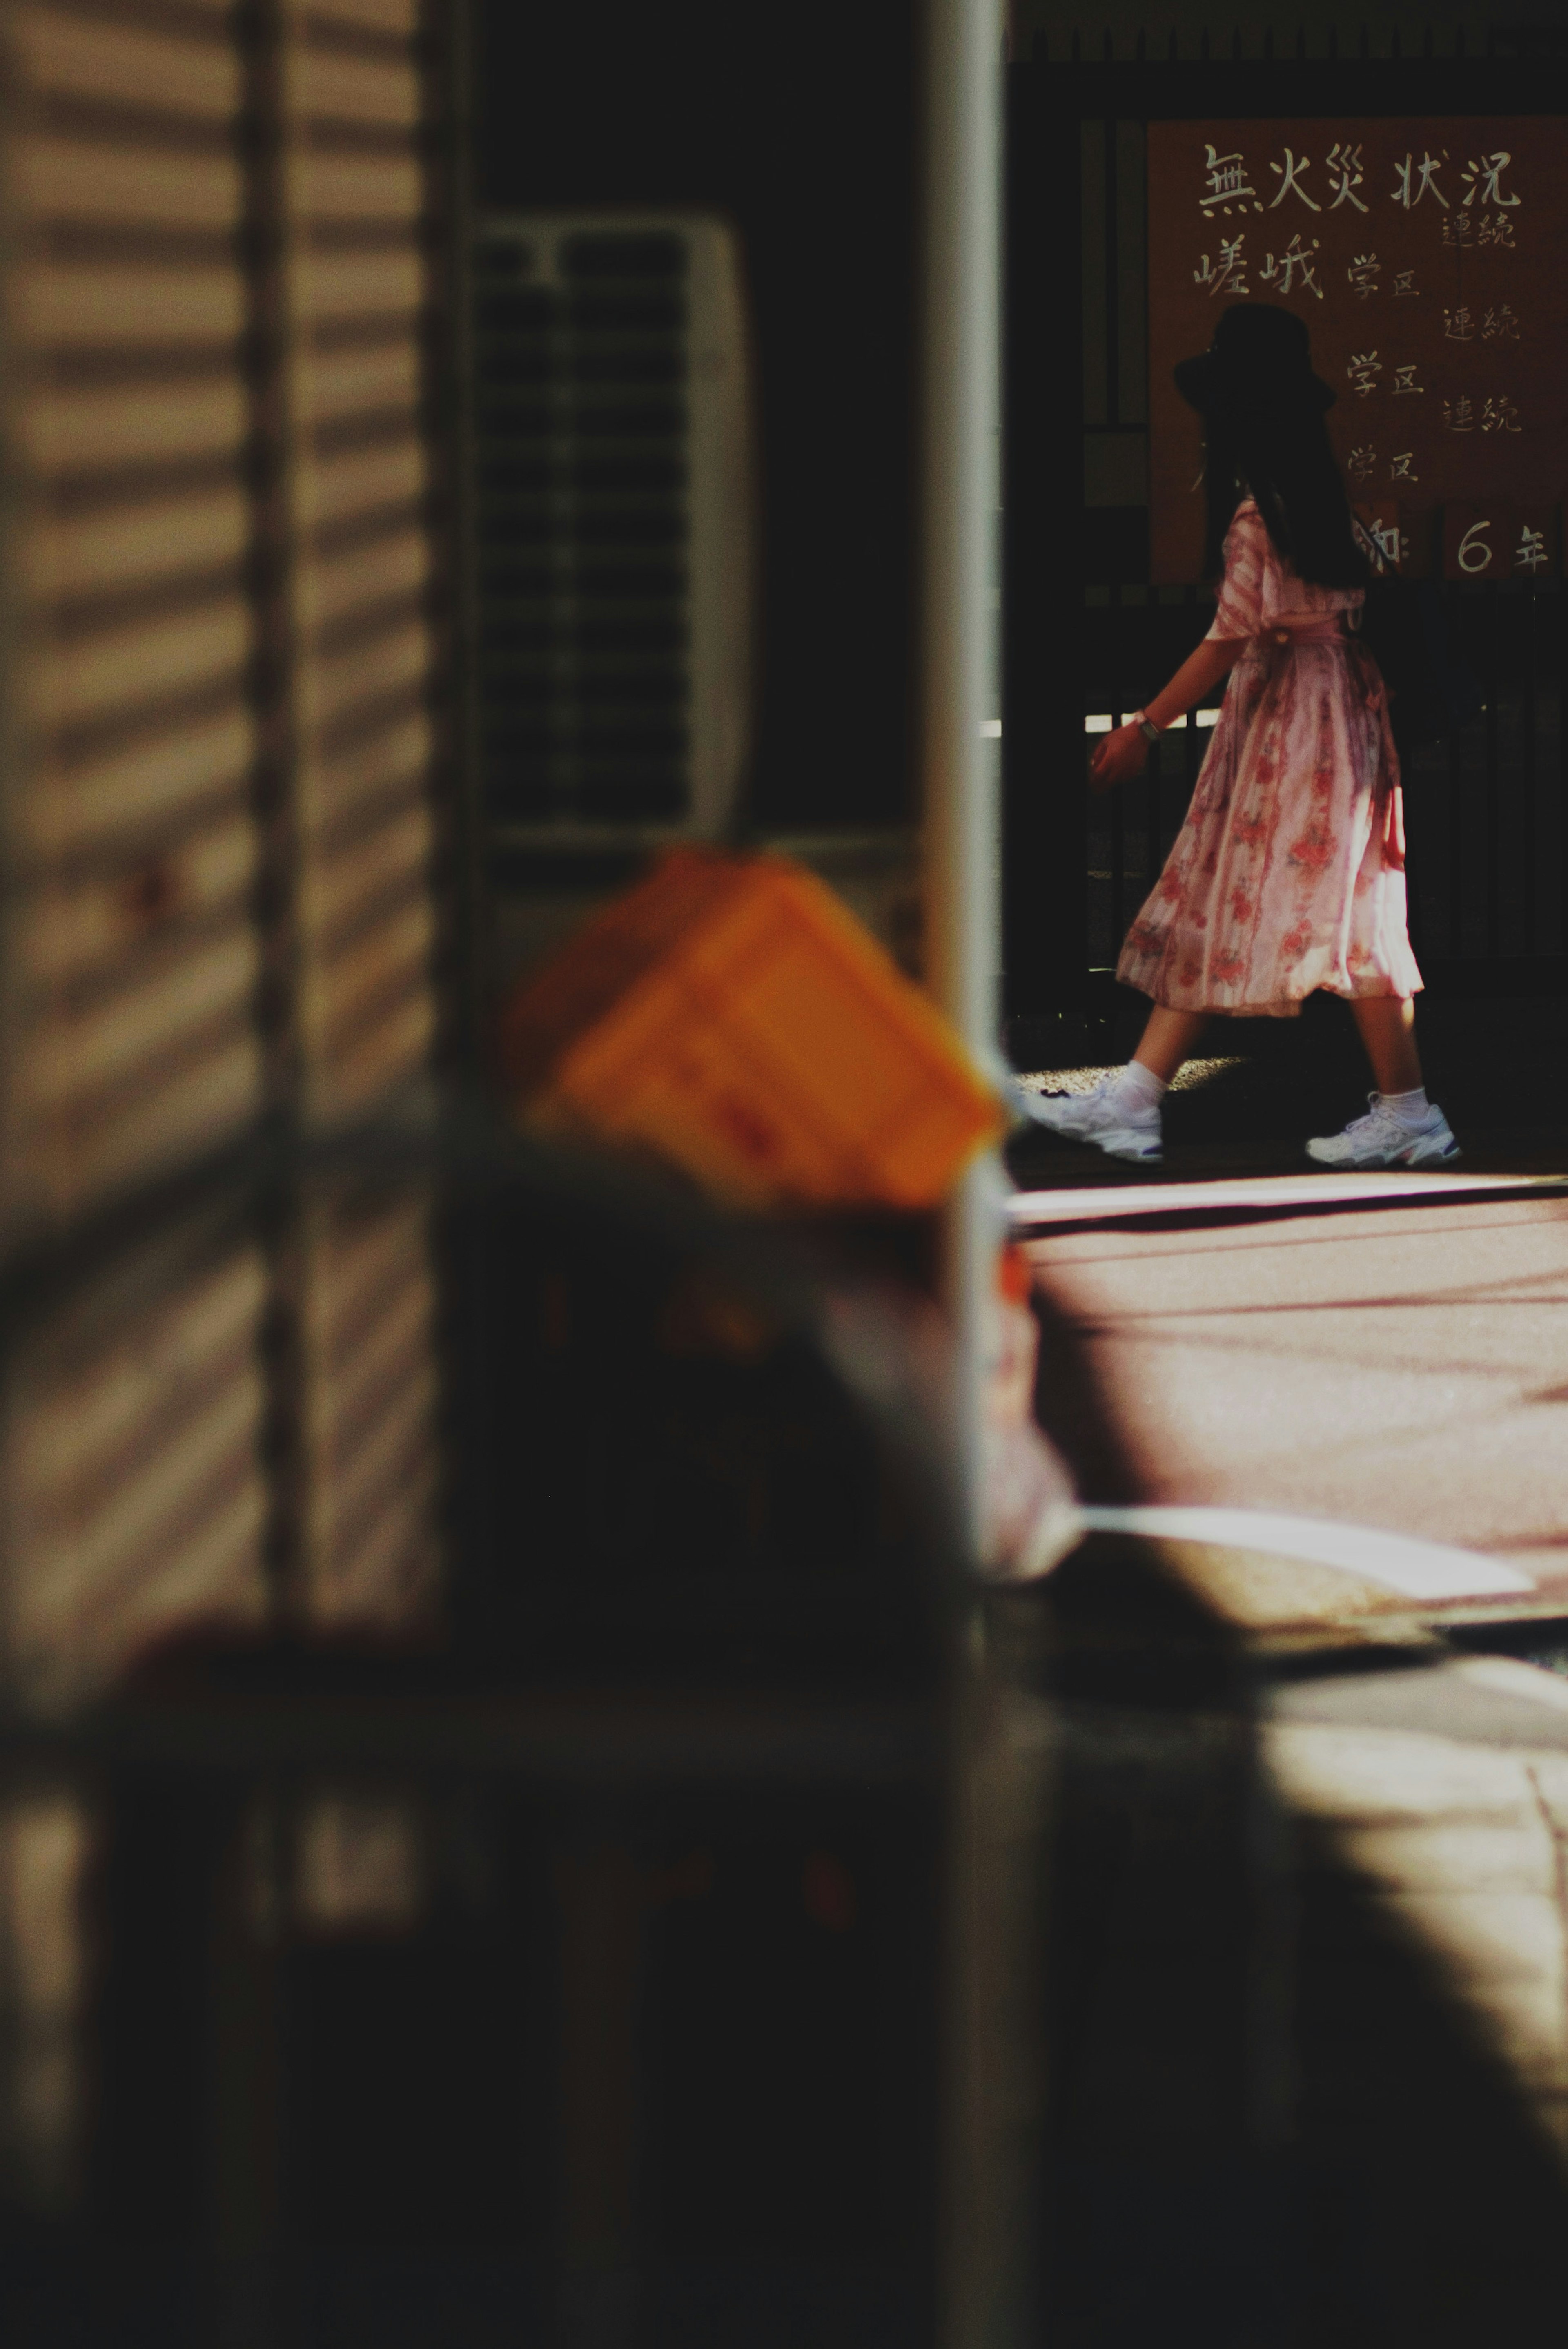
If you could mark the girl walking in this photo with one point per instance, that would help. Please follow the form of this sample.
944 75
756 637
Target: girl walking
1289 872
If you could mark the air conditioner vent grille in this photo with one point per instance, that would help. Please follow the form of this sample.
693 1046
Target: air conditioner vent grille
585 392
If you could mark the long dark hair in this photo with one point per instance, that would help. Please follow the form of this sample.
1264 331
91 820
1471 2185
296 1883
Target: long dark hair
1283 458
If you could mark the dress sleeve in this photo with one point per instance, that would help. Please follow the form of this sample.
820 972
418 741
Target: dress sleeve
1241 601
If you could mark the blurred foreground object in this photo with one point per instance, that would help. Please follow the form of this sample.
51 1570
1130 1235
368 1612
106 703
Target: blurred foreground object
729 1014
1030 1518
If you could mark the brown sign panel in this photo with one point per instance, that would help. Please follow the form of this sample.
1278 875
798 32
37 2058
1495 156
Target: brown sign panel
1426 258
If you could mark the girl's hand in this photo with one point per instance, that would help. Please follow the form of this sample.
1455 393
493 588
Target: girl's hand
1120 757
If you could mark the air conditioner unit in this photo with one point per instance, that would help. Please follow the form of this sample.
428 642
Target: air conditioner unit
612 502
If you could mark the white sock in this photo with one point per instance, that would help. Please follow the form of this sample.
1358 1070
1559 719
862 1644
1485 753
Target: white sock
1411 1108
1137 1089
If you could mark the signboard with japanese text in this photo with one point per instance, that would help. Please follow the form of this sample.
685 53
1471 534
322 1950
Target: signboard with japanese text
1426 258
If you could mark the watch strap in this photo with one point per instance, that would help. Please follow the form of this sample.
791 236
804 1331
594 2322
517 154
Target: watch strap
1146 726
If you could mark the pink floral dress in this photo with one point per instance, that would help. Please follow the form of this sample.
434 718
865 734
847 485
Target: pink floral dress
1289 872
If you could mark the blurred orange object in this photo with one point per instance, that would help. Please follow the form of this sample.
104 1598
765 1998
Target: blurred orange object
730 1014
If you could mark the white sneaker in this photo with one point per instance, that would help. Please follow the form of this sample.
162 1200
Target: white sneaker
1101 1118
1381 1139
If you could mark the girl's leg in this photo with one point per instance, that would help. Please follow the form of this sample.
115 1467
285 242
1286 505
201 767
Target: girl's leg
1387 1025
1168 1040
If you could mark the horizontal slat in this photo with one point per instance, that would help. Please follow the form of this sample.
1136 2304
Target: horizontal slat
343 287
152 1122
75 1628
216 1576
342 682
356 1064
382 764
86 1412
394 857
390 1368
71 56
336 984
360 187
150 1489
68 927
148 782
81 680
95 307
373 1472
339 585
384 1575
395 16
92 431
72 1055
334 89
383 378
73 180
125 546
366 481
355 1257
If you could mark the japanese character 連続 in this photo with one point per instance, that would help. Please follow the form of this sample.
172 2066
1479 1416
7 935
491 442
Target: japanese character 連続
1458 415
1496 228
1459 326
1290 178
1346 175
1363 274
1229 277
1483 179
1460 229
1294 263
1500 326
1228 185
1411 188
1364 367
1499 416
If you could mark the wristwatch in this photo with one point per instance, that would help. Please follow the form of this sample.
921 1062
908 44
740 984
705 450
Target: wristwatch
1146 726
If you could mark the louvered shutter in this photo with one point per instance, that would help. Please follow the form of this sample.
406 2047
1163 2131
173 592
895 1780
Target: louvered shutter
355 296
132 957
216 762
134 1496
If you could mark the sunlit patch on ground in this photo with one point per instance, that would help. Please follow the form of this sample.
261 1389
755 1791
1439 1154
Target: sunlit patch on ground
1193 1077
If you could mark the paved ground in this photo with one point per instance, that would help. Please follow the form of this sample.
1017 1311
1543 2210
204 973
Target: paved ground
1405 1368
1279 1343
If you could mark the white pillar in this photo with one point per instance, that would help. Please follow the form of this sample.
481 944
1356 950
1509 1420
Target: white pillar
960 671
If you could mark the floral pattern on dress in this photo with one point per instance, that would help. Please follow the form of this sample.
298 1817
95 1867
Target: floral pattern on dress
1288 875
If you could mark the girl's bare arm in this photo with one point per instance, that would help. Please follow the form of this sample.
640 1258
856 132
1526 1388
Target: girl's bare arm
1125 752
